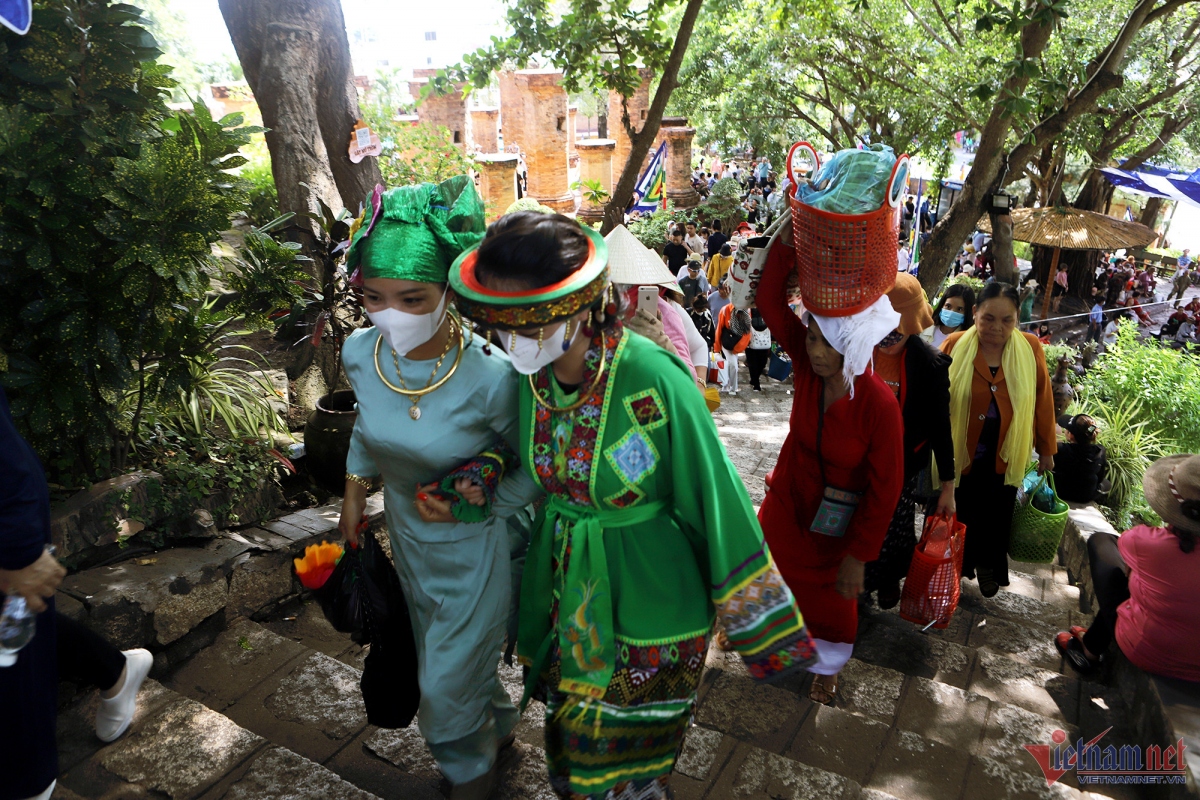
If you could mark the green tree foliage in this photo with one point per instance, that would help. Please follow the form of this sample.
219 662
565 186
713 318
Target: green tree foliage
1034 81
831 74
108 209
414 153
168 23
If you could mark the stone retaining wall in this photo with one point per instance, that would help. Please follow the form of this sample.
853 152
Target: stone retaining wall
1168 710
175 601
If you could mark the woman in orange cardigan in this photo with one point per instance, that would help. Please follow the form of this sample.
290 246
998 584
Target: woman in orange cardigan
1001 407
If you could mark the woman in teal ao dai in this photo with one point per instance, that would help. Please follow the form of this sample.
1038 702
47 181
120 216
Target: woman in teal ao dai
456 575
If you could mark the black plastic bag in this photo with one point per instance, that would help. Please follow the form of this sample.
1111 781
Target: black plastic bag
363 597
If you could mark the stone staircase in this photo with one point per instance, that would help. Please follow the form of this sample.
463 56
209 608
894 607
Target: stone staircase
271 710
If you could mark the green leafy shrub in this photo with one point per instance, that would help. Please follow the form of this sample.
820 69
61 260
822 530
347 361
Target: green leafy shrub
1054 352
1132 444
1023 250
263 198
108 208
204 471
219 393
976 284
651 229
726 187
267 274
1165 382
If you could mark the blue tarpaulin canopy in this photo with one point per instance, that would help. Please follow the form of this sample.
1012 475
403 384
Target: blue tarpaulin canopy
1155 181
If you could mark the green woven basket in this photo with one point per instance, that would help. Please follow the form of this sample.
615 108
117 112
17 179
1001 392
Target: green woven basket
1036 534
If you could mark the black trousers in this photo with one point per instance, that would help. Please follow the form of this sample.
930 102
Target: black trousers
86 657
1112 588
756 362
985 506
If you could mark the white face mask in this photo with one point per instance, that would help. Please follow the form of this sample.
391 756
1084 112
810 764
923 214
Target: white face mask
528 357
405 332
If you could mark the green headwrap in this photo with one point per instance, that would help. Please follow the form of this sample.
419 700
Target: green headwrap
415 232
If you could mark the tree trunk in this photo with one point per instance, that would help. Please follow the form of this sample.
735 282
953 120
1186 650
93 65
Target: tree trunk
319 104
299 163
614 212
985 177
1097 192
1150 212
1002 248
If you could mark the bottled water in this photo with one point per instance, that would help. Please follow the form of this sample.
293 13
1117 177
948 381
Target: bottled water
17 626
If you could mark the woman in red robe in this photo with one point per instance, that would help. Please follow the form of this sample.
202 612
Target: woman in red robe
841 404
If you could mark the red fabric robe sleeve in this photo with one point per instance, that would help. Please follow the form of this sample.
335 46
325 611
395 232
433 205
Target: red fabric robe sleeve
885 479
771 300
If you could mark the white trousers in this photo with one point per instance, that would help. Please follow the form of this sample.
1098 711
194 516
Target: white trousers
831 656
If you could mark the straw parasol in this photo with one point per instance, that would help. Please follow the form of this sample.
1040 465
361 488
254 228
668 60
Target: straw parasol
1074 229
1066 228
631 262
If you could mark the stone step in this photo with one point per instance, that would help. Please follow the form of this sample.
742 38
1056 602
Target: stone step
301 692
180 749
900 766
853 738
890 734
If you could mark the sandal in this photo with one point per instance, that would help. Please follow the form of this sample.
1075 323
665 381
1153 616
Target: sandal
722 641
819 690
1071 649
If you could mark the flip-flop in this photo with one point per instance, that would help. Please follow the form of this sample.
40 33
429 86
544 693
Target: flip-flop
1071 649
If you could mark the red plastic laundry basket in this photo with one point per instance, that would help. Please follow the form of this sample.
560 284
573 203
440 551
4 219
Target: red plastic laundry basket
846 262
932 588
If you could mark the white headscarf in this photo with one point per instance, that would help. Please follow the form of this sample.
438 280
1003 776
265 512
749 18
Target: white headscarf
855 336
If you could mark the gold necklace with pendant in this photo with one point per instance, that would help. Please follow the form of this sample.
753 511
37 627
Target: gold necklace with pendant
415 395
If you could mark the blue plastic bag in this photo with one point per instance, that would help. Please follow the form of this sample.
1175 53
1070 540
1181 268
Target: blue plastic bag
852 182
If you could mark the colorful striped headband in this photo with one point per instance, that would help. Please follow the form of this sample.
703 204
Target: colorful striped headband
531 308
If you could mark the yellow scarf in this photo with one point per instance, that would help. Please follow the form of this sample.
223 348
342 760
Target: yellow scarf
1020 373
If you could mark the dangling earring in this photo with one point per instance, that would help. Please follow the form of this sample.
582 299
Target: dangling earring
512 341
541 332
567 336
611 308
487 341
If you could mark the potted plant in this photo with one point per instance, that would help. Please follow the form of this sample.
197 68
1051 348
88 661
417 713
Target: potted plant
328 312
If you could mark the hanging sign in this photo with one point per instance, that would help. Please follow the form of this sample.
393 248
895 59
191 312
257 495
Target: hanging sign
363 141
16 15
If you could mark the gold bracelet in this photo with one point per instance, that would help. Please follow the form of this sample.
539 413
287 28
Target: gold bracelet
359 479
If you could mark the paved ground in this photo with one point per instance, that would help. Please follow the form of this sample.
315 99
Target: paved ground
272 710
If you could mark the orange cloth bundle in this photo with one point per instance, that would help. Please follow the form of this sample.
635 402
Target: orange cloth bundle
318 563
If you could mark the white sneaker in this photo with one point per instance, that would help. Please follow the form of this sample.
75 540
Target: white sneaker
116 713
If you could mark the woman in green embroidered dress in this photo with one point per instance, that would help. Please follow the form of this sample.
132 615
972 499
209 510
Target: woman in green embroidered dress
647 533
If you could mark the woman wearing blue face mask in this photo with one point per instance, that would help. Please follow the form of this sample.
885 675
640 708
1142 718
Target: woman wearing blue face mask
952 314
430 399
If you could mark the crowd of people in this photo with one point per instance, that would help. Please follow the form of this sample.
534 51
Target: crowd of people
621 524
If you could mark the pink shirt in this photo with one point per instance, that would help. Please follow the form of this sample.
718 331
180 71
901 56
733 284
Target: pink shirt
1158 627
673 328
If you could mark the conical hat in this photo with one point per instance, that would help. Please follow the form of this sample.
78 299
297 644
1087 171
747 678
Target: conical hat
631 262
